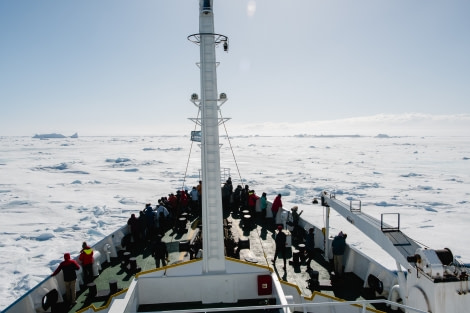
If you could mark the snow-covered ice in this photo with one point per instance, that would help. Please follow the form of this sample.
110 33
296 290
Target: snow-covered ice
56 193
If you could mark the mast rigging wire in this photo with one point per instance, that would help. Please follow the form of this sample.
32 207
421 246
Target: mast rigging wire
190 149
231 147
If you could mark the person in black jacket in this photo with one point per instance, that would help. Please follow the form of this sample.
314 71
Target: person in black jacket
310 246
160 252
339 246
281 242
68 267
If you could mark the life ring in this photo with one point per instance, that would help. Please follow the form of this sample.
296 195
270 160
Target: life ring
49 299
375 284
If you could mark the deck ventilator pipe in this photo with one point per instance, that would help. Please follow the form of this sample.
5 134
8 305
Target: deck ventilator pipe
393 296
107 250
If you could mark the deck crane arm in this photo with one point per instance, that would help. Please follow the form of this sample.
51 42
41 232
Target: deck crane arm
396 245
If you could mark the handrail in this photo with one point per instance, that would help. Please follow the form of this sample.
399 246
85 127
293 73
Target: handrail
360 303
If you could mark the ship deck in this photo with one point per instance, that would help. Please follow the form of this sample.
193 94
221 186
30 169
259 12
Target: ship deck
261 251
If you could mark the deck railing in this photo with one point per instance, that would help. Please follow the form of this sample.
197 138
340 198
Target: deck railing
360 305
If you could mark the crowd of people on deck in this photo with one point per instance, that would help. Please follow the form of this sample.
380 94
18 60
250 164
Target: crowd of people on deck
153 222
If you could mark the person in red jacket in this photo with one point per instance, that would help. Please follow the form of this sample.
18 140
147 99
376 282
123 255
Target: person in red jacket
277 204
252 199
68 267
183 201
86 258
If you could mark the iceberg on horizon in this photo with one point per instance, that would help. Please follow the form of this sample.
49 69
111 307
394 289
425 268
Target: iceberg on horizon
53 136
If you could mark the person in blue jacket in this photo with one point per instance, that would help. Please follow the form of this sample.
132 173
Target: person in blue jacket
263 204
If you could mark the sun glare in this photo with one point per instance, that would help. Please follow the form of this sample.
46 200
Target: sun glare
251 8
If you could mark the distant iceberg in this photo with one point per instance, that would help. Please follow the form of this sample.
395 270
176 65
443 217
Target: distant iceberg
53 136
382 136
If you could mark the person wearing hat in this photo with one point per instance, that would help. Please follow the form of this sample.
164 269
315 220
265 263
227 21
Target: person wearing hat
68 266
296 215
298 233
338 245
281 243
86 258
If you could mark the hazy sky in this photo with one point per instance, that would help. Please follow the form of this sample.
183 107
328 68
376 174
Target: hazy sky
114 66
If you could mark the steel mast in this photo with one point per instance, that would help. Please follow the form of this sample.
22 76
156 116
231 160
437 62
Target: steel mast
212 215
